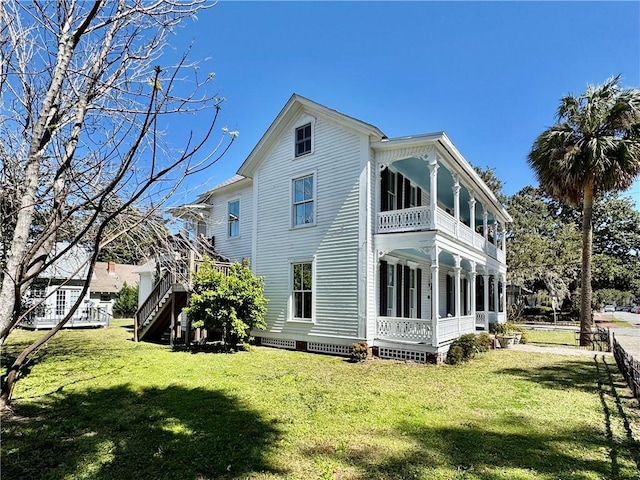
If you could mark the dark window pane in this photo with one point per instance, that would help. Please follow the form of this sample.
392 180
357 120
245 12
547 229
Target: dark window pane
307 305
298 304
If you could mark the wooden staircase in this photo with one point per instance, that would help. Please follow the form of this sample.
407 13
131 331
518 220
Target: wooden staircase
162 308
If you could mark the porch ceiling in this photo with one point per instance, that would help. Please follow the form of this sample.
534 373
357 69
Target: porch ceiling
418 171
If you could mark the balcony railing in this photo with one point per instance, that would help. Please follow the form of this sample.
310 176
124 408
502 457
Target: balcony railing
419 218
405 220
406 329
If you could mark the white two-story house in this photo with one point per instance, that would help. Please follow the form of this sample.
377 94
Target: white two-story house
395 241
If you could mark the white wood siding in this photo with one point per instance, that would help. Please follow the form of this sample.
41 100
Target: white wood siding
236 248
332 243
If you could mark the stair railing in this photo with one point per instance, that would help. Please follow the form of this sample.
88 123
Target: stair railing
159 291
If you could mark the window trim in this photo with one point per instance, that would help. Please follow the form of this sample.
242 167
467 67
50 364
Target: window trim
314 200
229 202
292 306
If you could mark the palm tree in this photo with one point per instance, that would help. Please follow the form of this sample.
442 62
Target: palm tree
593 148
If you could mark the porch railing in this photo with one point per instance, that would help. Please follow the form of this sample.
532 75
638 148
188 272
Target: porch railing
452 327
407 329
407 219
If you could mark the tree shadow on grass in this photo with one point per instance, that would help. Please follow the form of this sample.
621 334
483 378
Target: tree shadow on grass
567 375
121 433
487 452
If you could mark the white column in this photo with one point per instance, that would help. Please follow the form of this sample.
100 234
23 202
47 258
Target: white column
456 202
495 232
435 307
433 192
472 216
504 239
496 294
456 291
503 278
486 300
472 291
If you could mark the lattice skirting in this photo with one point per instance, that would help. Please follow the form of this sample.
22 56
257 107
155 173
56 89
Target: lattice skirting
278 343
329 348
402 354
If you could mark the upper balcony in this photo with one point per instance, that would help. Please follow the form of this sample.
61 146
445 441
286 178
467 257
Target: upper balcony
417 219
426 185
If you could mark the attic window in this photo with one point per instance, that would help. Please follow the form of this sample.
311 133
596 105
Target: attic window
303 140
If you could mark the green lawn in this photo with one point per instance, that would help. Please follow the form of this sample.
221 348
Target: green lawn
552 337
98 406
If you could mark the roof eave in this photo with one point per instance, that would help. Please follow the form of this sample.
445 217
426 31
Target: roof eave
295 104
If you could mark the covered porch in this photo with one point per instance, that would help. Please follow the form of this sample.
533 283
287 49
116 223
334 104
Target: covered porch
430 296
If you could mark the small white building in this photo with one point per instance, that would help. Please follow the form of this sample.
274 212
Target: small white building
394 241
53 294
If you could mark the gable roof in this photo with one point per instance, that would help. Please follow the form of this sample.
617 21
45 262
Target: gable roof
106 281
294 105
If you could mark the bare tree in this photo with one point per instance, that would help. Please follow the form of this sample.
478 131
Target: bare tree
84 106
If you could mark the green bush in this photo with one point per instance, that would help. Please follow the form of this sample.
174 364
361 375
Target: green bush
455 355
484 342
359 351
126 304
233 303
467 346
498 328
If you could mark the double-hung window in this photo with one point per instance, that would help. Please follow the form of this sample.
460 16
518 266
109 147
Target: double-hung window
303 201
302 291
303 140
234 219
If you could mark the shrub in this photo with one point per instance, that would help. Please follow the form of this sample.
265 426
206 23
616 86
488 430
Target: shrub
359 351
484 342
455 355
127 302
233 303
498 328
467 346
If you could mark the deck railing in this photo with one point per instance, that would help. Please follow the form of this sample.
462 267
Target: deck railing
83 317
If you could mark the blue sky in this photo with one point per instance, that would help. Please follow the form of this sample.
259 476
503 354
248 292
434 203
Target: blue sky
490 74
